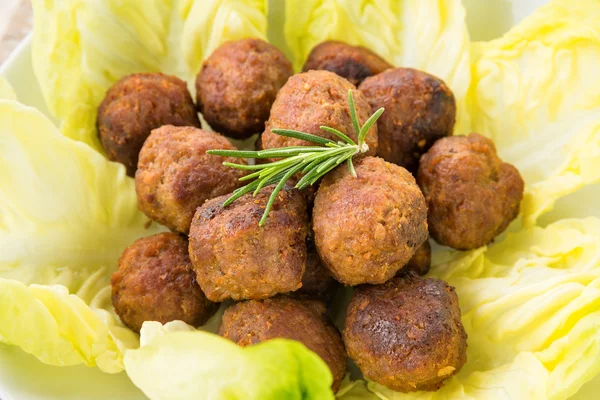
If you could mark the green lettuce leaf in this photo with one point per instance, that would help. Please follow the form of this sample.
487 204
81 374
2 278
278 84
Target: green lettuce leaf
175 361
429 35
6 91
534 93
81 47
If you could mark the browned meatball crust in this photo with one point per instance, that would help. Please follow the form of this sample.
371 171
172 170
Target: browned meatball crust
420 262
238 84
406 334
255 321
419 109
175 175
235 258
367 228
155 282
312 99
136 105
471 194
354 63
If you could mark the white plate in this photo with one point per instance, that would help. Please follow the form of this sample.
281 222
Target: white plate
22 377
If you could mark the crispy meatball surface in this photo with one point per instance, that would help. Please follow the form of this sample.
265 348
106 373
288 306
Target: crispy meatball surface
471 194
175 175
420 262
155 282
367 228
235 258
238 84
136 105
255 321
406 334
419 109
354 63
311 99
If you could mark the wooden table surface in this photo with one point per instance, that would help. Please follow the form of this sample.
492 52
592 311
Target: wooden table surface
15 23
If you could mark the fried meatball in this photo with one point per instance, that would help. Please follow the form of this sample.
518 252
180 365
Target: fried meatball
420 262
406 334
354 63
238 84
312 99
419 109
255 321
136 105
235 258
471 194
367 228
155 282
175 175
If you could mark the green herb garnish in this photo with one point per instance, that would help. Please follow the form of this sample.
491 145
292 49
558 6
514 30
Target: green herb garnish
312 162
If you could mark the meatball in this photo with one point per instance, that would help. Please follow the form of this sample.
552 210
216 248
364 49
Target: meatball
175 175
419 109
155 282
406 334
367 228
420 262
136 105
238 84
235 258
354 63
471 194
255 321
312 99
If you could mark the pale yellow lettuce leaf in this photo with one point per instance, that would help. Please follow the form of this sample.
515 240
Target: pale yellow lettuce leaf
429 35
82 47
6 91
535 94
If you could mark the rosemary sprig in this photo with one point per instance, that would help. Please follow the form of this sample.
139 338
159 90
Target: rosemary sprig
312 162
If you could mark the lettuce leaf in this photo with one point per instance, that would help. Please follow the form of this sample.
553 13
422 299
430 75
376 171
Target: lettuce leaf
534 94
6 91
175 361
81 47
429 35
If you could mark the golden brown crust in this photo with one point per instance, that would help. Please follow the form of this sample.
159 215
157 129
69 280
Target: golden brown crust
407 333
235 258
155 282
175 175
355 63
471 194
136 105
238 84
367 228
311 99
419 109
255 321
420 262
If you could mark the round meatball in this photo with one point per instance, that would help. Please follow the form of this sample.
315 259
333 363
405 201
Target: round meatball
406 334
312 99
354 63
419 109
420 262
238 84
235 258
255 321
367 228
136 105
471 194
155 282
175 175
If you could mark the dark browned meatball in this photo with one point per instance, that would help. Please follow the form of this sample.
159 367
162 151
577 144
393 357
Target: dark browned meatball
238 84
406 334
367 228
420 262
136 105
311 99
255 321
175 175
471 194
419 109
235 258
155 282
354 63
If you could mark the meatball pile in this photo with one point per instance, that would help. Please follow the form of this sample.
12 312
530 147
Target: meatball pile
366 227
